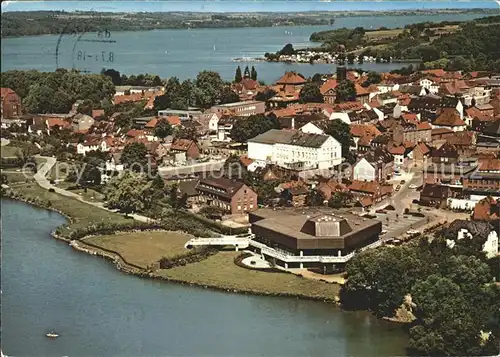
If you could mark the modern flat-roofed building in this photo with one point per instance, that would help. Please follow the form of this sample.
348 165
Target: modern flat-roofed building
241 109
182 114
311 237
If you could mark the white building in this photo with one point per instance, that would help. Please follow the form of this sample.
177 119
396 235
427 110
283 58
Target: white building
431 86
364 171
490 247
98 144
310 128
295 149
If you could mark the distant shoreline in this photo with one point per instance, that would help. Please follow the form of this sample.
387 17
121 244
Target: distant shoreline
199 20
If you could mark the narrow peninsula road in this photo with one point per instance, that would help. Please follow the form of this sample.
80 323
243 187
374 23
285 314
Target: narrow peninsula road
41 179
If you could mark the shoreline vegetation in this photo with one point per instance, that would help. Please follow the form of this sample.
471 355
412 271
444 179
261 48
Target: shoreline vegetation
35 23
454 44
217 270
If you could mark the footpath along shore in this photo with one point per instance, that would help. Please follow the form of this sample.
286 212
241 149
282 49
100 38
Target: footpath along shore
217 272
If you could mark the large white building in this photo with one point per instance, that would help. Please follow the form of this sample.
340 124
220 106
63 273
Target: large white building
295 149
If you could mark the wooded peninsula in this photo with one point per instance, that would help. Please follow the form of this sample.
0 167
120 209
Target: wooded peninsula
33 23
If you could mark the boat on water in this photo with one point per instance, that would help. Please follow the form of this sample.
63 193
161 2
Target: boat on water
52 334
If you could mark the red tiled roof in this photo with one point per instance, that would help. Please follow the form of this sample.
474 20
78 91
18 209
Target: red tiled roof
449 117
5 91
97 113
349 106
134 133
397 150
291 78
134 97
181 144
361 130
424 126
246 161
361 90
489 165
483 209
152 123
174 120
423 148
51 122
329 84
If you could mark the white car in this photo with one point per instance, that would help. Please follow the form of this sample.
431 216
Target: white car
412 186
412 231
383 232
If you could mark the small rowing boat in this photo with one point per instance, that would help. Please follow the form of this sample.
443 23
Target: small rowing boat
52 334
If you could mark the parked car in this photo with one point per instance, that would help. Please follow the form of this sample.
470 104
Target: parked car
381 211
398 187
383 232
416 201
412 231
413 186
402 182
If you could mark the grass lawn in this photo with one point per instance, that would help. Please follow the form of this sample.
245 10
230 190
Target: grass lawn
59 171
10 151
14 176
373 35
82 213
220 271
144 248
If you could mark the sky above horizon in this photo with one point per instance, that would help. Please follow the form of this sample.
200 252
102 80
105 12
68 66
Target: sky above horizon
243 6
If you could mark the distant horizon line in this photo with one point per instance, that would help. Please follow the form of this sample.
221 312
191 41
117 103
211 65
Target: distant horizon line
456 9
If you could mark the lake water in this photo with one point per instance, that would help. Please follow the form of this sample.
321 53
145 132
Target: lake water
183 53
100 311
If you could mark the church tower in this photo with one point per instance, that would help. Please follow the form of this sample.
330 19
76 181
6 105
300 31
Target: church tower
341 69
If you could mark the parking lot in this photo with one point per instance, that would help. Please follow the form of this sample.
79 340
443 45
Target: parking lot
397 226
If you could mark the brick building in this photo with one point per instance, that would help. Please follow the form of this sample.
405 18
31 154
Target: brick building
232 196
10 104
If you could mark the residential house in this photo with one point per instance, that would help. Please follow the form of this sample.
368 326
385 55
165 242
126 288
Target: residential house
434 195
188 188
114 163
370 192
330 187
446 153
462 229
429 84
377 165
487 209
247 89
449 118
189 148
98 114
81 123
412 132
420 153
327 89
295 150
363 134
10 104
232 196
92 144
294 193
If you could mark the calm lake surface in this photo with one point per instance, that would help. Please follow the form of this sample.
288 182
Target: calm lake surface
183 53
99 311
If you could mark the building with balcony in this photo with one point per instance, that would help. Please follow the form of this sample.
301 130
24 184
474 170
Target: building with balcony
311 237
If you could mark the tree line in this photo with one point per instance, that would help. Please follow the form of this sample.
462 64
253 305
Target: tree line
450 293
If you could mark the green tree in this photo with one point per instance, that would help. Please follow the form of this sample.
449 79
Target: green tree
246 74
129 193
253 73
265 95
310 93
208 88
315 198
113 74
229 96
350 58
134 157
342 133
345 91
237 75
374 77
163 129
287 50
247 128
